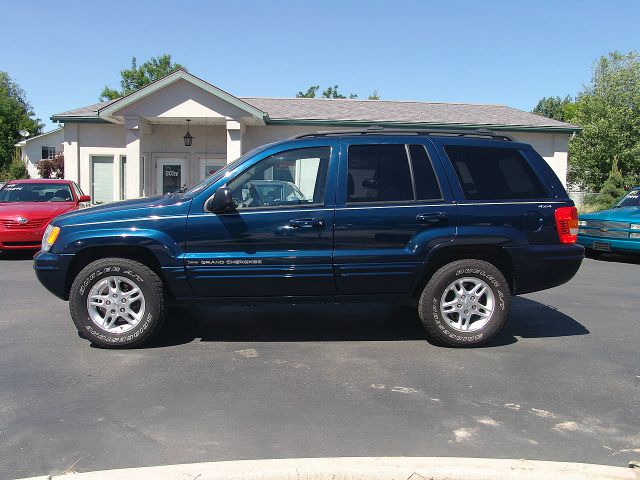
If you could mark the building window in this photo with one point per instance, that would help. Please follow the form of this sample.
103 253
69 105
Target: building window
102 178
123 177
48 153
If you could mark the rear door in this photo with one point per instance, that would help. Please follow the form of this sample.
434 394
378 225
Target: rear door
391 210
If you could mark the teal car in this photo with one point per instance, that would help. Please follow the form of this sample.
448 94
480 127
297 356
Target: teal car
615 230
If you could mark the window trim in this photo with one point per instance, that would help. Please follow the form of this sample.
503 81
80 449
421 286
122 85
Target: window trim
270 208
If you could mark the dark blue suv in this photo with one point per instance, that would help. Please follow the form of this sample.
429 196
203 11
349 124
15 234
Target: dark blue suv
454 222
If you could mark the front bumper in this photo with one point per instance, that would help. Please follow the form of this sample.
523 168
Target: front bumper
20 239
539 267
615 244
51 270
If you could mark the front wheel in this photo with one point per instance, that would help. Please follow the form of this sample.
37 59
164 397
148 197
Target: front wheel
117 302
466 303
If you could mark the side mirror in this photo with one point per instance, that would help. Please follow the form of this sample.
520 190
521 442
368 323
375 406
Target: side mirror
222 200
84 198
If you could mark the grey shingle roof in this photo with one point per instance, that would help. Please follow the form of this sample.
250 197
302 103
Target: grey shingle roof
376 111
88 111
399 112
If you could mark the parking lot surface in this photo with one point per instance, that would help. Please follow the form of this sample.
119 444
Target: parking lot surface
562 382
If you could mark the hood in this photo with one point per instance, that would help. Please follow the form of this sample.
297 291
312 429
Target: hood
127 209
33 210
625 214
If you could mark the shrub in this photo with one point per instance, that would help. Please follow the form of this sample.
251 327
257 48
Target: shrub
612 190
53 168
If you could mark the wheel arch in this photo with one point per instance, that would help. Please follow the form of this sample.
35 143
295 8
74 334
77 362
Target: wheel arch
85 256
492 254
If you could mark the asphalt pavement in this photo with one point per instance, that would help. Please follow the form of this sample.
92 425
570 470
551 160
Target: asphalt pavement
562 382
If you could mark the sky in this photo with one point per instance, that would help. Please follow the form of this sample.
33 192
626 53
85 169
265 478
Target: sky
62 53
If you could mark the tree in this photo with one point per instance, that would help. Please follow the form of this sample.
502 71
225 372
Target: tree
53 168
135 78
15 170
554 107
612 190
608 110
16 114
331 92
310 93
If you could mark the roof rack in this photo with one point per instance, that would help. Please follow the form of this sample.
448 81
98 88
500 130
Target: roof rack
478 133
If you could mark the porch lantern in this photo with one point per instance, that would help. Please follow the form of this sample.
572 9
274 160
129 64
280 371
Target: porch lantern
188 138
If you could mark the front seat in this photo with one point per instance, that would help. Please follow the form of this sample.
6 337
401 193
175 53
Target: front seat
63 195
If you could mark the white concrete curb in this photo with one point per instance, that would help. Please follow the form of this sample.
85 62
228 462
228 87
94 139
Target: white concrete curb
365 468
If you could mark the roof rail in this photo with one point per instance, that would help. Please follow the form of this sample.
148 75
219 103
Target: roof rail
479 133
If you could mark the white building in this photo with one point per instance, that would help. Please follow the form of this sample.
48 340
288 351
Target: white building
43 146
134 146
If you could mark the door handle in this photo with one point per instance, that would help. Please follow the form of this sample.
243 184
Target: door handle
432 219
307 223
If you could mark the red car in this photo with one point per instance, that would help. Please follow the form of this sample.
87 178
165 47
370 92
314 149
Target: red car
28 206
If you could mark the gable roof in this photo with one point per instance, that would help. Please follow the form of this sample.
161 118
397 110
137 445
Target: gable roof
24 142
332 112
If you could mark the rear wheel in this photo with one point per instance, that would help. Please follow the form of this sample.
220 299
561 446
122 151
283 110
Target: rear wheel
466 303
117 302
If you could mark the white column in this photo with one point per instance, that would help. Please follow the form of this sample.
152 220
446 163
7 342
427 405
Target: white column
234 139
134 134
72 155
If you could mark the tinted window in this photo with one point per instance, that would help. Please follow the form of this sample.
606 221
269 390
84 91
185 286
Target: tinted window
631 199
487 173
36 192
378 173
289 178
427 187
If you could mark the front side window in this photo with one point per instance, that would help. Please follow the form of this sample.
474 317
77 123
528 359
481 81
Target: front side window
378 173
490 173
36 192
291 178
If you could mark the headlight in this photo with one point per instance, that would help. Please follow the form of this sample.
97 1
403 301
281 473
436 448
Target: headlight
635 226
582 223
634 235
49 237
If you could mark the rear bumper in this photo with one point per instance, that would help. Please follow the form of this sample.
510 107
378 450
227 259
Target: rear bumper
20 239
615 245
51 270
538 267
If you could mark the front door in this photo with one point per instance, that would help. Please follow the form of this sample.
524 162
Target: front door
172 175
390 212
278 240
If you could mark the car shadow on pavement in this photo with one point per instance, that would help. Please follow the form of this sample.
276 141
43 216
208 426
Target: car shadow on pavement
14 255
342 322
630 258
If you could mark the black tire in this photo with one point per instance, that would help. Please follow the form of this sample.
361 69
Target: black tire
429 306
153 292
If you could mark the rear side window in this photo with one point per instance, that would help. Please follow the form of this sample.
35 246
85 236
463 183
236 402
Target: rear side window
427 187
489 173
378 173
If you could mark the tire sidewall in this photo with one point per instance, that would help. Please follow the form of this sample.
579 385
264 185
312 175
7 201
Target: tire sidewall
492 277
83 285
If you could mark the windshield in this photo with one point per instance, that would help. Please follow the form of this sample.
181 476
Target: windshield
197 188
35 192
631 199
